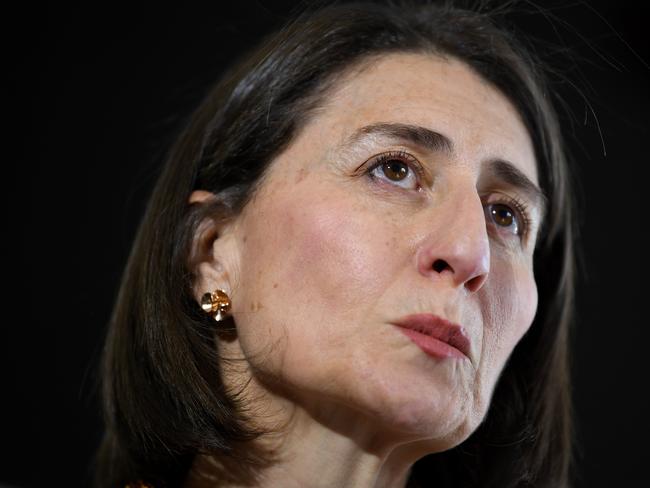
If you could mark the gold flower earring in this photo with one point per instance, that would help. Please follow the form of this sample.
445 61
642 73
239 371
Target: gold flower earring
217 304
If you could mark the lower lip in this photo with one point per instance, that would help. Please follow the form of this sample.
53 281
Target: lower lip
431 345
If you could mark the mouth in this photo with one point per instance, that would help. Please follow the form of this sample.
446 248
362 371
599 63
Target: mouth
435 335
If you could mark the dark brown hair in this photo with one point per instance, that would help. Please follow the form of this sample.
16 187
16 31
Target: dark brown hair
163 398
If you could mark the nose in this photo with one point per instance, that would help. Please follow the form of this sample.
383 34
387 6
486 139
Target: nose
456 247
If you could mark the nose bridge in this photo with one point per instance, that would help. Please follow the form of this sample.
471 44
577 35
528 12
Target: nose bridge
456 246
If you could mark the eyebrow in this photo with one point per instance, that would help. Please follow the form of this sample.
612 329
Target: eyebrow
427 139
432 141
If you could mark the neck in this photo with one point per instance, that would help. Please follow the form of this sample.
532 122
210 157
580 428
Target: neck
317 446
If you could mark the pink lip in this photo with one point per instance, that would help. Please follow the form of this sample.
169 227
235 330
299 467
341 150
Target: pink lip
435 336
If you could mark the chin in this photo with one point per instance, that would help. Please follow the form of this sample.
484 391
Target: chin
446 437
443 426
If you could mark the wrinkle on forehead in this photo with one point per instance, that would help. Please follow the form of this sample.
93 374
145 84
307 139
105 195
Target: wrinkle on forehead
443 94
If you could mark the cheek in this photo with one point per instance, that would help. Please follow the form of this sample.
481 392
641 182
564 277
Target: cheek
312 271
509 308
330 258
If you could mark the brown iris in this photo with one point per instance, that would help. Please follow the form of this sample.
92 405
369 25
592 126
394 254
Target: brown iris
395 168
502 215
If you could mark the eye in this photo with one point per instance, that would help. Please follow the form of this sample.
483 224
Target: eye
503 216
398 168
510 214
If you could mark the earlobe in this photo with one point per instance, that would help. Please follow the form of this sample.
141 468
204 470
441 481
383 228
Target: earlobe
209 276
211 273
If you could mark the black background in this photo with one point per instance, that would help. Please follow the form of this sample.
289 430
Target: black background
96 94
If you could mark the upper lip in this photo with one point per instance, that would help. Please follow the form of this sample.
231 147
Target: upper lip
438 327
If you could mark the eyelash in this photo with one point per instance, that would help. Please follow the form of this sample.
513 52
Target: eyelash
520 207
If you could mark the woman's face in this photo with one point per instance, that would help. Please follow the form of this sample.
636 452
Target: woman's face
334 250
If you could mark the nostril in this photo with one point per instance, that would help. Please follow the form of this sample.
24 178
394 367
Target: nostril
440 265
475 283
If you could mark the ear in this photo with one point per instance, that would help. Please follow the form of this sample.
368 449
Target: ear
214 253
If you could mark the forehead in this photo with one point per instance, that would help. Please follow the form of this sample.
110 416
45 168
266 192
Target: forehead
444 95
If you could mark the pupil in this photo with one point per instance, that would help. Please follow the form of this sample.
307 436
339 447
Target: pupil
398 169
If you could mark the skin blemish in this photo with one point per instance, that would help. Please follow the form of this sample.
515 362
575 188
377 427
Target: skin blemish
300 176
